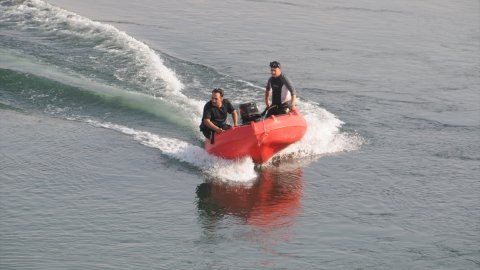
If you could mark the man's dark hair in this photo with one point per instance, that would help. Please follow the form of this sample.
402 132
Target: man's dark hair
274 64
218 90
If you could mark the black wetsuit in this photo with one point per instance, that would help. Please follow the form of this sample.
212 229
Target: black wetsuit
218 116
282 92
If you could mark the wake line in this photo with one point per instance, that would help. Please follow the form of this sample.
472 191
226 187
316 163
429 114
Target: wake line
101 49
112 40
233 170
323 134
108 52
61 93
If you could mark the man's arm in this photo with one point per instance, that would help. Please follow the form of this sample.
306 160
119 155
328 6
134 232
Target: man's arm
267 97
268 92
235 118
212 126
292 90
294 98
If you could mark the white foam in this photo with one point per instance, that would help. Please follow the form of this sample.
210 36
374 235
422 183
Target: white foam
119 42
323 136
135 61
225 170
150 68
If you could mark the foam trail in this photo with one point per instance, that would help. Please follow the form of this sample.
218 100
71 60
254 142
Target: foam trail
236 170
12 60
107 51
62 22
323 135
134 63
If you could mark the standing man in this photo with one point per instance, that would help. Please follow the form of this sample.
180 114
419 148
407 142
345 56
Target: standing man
215 114
280 88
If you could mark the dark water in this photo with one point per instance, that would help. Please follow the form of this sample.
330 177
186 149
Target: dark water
101 160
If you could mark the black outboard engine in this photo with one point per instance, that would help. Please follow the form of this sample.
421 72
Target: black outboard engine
249 112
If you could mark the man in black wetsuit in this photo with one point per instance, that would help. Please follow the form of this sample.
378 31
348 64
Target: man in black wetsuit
280 88
215 114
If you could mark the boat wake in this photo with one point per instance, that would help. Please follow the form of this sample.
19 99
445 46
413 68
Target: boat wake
231 170
324 135
66 65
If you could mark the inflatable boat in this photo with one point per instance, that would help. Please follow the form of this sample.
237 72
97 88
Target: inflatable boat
259 138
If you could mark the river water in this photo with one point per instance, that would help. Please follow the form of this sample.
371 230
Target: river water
101 159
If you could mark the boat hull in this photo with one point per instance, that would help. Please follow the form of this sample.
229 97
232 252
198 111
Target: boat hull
259 140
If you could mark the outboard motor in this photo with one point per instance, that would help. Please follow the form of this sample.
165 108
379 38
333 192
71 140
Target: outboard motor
249 112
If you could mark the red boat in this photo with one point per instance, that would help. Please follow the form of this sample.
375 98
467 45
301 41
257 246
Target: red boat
259 139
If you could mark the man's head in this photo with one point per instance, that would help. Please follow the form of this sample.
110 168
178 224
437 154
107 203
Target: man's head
217 97
275 69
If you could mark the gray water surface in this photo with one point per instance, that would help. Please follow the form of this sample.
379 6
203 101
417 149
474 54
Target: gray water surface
101 164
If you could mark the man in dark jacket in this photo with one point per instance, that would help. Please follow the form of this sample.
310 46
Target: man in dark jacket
281 90
215 114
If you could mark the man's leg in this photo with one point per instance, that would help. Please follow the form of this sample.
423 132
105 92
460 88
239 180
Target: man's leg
274 111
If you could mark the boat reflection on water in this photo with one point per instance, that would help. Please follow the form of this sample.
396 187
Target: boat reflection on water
271 202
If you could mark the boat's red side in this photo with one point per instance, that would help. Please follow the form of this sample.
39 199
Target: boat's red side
259 140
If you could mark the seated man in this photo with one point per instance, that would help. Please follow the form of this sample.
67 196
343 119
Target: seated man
215 114
280 88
